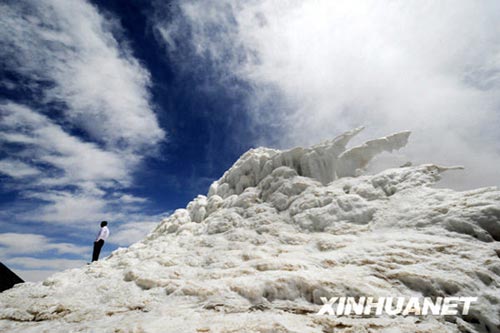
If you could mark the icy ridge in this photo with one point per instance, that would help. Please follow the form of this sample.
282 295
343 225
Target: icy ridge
325 162
276 233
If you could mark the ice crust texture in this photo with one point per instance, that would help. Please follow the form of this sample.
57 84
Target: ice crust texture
276 232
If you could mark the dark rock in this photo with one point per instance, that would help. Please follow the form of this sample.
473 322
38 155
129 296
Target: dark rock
8 278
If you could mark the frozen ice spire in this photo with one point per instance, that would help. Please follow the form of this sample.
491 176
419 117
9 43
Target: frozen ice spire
324 162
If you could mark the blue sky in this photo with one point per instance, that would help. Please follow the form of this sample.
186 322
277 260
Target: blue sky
191 132
126 110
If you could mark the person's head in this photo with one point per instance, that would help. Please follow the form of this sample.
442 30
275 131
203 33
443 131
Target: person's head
104 223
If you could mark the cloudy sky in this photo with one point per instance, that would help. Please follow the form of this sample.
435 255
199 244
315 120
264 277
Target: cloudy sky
125 110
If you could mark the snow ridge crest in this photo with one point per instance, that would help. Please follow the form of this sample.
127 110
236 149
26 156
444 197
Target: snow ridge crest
324 162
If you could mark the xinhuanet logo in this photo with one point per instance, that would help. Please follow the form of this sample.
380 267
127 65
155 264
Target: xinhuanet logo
438 306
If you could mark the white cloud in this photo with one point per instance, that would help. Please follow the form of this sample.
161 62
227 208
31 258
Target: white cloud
47 143
138 227
35 269
33 275
85 123
16 250
132 232
127 198
17 169
12 244
52 264
66 160
69 43
69 207
83 78
429 67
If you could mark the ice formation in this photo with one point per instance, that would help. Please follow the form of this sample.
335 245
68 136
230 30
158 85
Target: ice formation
278 231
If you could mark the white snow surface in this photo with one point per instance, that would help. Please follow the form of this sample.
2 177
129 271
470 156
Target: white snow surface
276 232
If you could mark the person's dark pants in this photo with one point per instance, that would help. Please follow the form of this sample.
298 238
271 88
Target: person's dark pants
97 249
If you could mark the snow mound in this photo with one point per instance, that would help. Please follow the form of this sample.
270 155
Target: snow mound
278 231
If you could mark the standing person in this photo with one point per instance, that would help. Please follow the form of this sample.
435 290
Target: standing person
99 242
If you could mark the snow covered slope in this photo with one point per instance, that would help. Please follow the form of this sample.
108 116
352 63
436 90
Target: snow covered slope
279 230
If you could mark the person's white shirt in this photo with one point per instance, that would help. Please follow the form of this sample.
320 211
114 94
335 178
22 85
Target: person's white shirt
103 234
